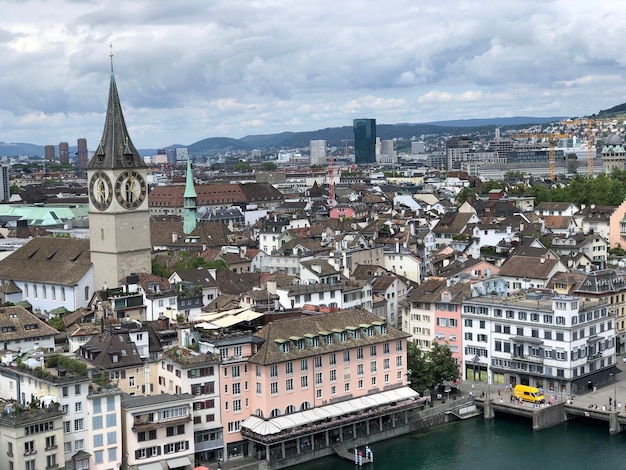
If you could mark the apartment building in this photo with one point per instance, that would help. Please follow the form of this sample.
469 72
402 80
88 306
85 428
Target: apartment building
182 370
31 438
563 344
157 432
105 429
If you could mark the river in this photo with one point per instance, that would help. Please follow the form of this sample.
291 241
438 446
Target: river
501 443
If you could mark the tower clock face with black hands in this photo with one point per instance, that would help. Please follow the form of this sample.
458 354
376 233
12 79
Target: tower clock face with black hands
100 190
130 189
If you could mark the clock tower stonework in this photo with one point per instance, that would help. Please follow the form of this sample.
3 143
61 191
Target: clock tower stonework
119 217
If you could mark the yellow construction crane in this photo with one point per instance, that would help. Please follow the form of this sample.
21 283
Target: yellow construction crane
552 140
591 141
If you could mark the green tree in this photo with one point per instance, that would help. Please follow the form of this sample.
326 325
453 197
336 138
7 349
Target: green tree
242 167
14 189
430 368
464 194
269 166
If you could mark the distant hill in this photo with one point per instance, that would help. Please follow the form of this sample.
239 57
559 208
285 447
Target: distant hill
509 121
337 136
619 109
14 150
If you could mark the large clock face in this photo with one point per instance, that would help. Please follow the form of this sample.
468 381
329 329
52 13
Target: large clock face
100 190
130 189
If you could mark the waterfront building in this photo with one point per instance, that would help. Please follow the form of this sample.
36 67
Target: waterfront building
157 432
315 381
562 344
183 371
119 216
364 141
606 283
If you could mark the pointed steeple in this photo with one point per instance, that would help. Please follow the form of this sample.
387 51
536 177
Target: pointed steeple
189 202
115 150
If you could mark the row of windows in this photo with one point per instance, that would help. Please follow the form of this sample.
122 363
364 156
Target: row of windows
44 292
332 377
328 339
547 318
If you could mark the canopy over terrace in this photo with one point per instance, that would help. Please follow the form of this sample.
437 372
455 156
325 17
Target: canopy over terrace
266 427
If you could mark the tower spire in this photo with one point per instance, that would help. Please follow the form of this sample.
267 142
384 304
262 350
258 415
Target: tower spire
116 150
189 202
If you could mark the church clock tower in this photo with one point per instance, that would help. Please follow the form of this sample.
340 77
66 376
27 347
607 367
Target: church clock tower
119 217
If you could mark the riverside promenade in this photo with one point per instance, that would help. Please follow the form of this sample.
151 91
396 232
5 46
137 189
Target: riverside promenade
615 390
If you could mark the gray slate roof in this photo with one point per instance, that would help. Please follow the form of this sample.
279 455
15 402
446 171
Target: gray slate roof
60 261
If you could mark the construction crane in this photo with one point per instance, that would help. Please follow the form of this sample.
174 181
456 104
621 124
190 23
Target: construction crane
552 140
345 141
591 141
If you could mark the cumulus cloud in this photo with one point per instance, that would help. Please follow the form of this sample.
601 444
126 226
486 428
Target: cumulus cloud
188 70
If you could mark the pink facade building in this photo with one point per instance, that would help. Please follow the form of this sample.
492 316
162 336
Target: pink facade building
300 385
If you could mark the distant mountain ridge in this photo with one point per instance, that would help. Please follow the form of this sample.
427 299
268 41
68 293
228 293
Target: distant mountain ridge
335 136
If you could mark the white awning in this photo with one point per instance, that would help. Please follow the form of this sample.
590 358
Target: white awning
179 462
265 427
151 466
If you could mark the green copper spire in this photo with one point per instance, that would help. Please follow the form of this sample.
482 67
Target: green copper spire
190 190
189 202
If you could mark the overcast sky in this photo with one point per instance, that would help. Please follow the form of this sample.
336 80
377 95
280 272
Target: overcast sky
191 69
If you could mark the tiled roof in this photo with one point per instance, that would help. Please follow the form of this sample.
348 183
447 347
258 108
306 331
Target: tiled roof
198 277
100 350
60 261
232 283
427 291
205 235
22 325
130 402
329 323
528 266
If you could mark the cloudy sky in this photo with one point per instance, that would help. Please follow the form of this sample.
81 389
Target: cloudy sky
191 69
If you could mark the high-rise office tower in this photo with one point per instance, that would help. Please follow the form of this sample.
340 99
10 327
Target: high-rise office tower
64 153
48 153
318 152
5 192
82 154
364 141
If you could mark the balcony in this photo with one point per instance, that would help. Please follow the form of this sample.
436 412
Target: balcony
145 425
527 358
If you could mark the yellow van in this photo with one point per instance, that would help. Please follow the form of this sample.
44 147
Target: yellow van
527 393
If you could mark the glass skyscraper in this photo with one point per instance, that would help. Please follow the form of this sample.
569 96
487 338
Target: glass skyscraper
364 141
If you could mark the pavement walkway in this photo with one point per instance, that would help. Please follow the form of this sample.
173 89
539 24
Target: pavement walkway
607 394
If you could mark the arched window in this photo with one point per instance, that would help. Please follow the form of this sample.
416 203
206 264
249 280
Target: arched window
305 406
290 409
258 412
275 413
